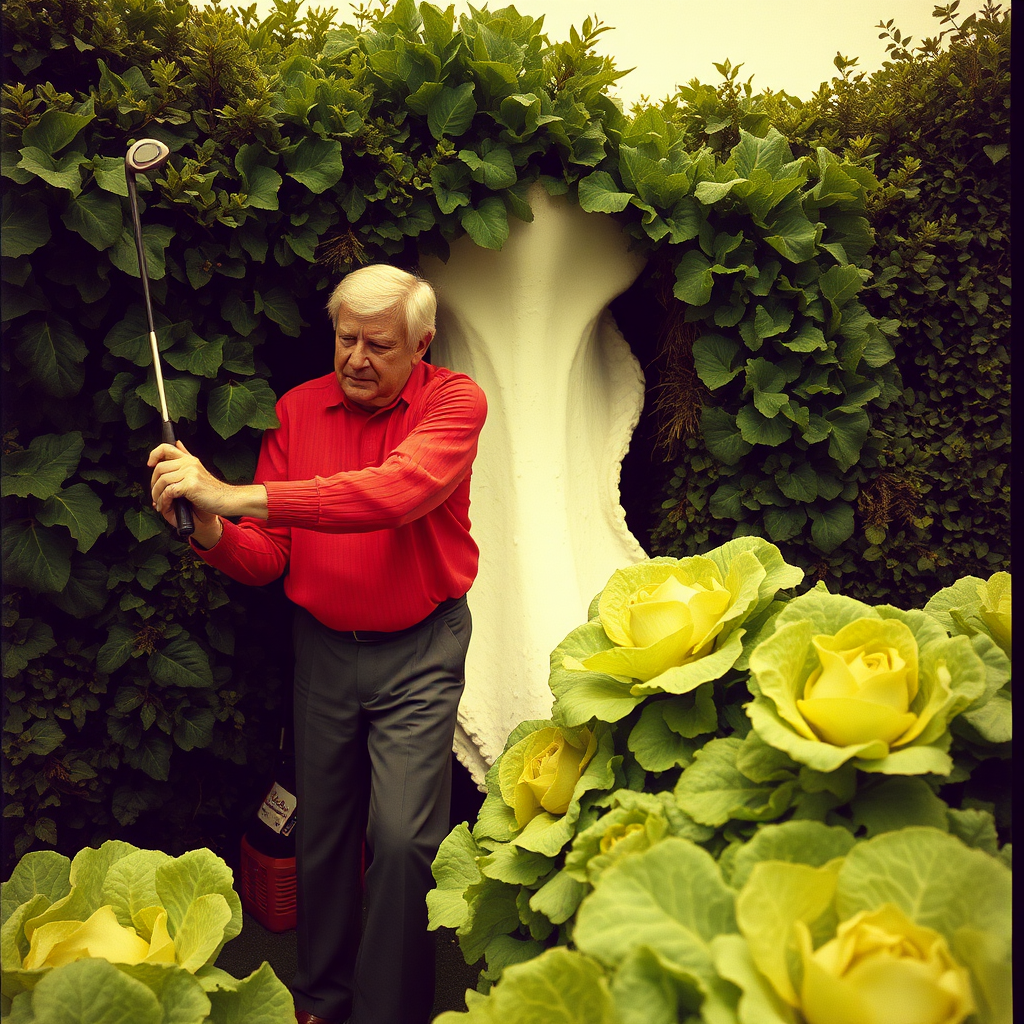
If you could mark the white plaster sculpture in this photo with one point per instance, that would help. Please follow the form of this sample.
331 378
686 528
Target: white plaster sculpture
530 324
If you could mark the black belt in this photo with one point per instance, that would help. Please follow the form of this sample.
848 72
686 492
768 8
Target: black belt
371 636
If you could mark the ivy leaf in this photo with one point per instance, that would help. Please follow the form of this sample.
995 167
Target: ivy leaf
181 663
598 193
35 557
25 226
801 484
116 650
451 112
60 173
54 130
193 727
51 350
261 183
492 166
713 358
840 284
26 646
85 592
230 407
152 755
78 508
694 279
155 239
792 233
265 417
721 435
181 393
757 428
96 216
849 431
143 523
281 307
831 525
784 524
41 468
487 225
450 183
314 162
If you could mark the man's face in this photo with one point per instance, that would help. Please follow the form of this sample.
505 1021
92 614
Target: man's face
372 359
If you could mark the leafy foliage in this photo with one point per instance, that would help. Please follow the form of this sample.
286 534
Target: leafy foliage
301 148
918 493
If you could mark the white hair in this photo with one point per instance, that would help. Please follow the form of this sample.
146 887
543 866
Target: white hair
380 289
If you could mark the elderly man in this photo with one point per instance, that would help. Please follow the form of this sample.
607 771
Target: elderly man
362 496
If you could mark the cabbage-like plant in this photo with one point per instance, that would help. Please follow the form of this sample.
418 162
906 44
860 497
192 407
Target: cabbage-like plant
120 933
840 680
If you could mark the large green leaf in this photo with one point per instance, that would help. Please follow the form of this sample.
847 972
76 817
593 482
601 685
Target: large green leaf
769 153
96 216
487 224
849 431
840 284
260 183
451 112
155 238
715 359
181 394
93 991
36 557
831 525
78 508
181 662
41 468
54 130
492 166
694 279
314 162
279 304
25 226
674 900
64 172
598 193
230 407
152 755
53 352
260 998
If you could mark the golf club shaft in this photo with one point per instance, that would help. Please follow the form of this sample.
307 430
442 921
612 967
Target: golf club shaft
182 506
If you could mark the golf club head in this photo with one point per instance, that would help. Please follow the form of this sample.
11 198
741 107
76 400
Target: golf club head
146 155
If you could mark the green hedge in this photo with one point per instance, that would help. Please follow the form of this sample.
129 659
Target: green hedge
931 489
139 684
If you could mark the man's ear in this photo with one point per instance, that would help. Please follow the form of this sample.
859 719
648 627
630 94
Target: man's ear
422 345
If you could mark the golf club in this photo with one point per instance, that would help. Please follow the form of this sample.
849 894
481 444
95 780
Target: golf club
150 155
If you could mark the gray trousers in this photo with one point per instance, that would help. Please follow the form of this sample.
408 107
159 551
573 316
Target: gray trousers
374 722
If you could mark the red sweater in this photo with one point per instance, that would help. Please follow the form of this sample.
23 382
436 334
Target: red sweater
369 512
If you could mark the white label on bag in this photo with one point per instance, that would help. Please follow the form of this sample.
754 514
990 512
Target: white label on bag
278 809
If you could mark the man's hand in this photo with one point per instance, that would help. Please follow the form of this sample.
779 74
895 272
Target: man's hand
179 474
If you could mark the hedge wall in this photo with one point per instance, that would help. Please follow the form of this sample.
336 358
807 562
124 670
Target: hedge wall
140 686
930 493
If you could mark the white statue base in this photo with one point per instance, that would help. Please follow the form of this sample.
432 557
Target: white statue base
530 325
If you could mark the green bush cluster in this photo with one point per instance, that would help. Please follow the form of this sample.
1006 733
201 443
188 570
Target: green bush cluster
930 491
301 148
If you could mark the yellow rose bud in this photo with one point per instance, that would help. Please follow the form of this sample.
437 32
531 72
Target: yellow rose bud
858 695
552 767
882 968
617 833
61 942
693 611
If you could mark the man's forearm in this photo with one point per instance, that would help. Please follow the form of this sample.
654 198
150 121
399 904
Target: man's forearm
240 500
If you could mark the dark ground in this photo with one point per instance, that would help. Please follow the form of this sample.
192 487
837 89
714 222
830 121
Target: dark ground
255 944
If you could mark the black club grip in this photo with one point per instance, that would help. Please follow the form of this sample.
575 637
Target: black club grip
182 506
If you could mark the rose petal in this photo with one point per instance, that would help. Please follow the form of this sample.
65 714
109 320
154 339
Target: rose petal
653 620
843 721
103 936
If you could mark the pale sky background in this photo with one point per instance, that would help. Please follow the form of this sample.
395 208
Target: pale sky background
785 44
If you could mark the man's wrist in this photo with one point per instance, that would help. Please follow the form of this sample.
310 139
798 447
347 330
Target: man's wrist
207 536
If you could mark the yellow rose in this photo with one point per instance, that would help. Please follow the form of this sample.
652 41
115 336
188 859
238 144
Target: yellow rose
656 612
882 968
61 942
617 833
863 688
552 766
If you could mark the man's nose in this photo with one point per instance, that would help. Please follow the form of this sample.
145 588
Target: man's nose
360 354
